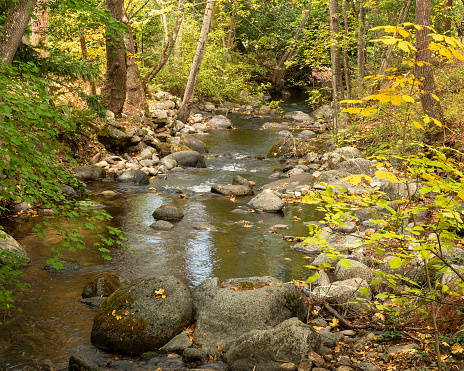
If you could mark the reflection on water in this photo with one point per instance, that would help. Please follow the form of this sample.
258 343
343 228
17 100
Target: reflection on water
53 325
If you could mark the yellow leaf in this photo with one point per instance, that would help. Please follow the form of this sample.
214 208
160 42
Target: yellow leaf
436 122
396 100
335 322
404 46
367 111
435 97
426 119
408 98
418 125
437 37
456 348
391 177
118 317
163 296
457 55
159 292
403 32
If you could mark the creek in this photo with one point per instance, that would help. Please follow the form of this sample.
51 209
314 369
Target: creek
53 325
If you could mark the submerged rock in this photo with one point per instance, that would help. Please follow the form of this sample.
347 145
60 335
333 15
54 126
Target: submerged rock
102 284
168 212
134 176
85 173
232 189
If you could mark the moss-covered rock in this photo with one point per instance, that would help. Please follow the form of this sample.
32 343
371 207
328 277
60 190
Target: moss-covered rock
143 316
102 284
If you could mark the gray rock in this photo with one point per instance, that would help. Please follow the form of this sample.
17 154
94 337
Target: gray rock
267 201
22 206
356 166
324 112
64 265
276 126
68 191
223 313
147 163
349 152
162 225
146 154
220 122
306 135
77 363
357 270
232 189
242 181
291 341
298 116
349 227
186 159
194 144
151 312
168 212
177 344
91 172
344 293
330 339
397 191
167 163
203 226
102 284
134 176
194 357
11 251
282 185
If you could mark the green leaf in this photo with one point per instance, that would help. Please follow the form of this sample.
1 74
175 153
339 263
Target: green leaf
345 263
395 262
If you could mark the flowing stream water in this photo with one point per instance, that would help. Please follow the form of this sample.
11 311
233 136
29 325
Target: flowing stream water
53 325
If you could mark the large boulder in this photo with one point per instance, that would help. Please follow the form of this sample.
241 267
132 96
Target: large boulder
11 251
290 341
91 172
226 310
220 122
193 143
186 159
133 176
232 189
267 201
168 212
143 316
102 284
298 116
282 185
356 166
347 293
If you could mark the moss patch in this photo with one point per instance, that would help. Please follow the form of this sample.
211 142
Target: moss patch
115 315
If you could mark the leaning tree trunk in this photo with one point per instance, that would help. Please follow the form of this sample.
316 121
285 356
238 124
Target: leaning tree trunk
13 30
361 45
230 36
86 57
135 93
346 65
424 73
116 75
186 106
337 81
277 78
167 50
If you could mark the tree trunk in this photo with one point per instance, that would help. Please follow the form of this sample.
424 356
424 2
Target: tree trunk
167 50
186 106
165 29
277 78
86 57
40 26
361 45
230 37
448 7
387 53
135 93
424 73
116 75
346 66
16 23
337 83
